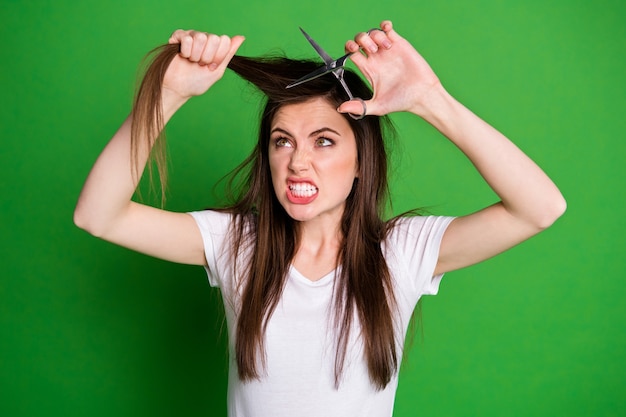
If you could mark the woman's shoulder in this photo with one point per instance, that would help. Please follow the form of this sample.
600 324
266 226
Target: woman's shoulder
213 214
212 219
415 227
222 221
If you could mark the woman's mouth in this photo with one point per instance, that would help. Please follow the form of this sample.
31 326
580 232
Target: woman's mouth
301 192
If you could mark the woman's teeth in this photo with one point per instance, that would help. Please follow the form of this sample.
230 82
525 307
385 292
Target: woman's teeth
302 190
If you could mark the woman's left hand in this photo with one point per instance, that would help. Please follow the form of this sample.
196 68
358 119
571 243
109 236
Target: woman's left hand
400 77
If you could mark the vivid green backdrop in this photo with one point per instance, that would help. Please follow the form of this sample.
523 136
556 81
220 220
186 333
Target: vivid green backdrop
90 329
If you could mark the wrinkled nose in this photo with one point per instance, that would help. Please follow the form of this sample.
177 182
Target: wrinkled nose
299 161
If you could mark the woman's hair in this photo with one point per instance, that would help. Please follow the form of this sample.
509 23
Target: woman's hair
268 237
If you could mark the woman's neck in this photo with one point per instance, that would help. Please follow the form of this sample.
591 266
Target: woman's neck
318 250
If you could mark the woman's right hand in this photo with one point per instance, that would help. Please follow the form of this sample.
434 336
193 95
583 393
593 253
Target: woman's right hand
201 62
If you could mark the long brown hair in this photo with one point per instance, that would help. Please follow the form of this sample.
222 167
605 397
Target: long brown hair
263 229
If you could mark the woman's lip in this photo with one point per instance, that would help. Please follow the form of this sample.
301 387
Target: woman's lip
301 197
294 181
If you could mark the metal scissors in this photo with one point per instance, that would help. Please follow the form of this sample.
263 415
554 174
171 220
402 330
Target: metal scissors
336 66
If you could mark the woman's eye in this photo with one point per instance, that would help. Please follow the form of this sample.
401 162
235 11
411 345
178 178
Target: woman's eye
282 142
324 142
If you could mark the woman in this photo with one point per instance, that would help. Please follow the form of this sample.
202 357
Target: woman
318 288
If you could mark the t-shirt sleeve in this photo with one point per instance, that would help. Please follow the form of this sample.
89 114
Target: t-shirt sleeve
415 242
214 227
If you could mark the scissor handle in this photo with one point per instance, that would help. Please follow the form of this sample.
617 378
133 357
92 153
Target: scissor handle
340 62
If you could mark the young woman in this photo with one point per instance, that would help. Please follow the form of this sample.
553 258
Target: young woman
318 287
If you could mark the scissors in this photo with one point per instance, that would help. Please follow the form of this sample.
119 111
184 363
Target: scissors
336 67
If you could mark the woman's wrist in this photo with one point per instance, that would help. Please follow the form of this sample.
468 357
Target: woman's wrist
171 101
436 106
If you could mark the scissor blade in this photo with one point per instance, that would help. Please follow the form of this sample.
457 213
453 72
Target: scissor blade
311 76
327 59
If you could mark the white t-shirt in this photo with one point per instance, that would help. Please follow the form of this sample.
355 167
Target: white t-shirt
300 346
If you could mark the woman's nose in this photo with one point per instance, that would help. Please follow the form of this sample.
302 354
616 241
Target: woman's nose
299 161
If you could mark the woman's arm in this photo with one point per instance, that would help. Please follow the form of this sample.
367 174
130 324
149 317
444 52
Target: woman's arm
530 202
104 207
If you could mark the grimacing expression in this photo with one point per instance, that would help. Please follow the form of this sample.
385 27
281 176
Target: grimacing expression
313 159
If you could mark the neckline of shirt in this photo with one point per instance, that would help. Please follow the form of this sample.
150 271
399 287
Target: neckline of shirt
328 278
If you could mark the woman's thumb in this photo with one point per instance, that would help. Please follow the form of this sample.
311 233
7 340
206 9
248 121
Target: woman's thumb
235 43
355 106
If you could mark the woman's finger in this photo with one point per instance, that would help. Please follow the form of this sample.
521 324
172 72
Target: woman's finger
208 53
381 39
186 42
366 43
177 36
222 50
200 40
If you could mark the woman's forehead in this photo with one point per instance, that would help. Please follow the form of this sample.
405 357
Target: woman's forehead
311 114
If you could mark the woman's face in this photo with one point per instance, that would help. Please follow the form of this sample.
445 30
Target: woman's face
313 160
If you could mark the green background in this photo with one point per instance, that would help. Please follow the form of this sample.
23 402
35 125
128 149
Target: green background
91 329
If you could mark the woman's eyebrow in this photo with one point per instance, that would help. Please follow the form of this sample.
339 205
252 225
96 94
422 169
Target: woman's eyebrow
324 129
280 130
314 133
